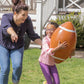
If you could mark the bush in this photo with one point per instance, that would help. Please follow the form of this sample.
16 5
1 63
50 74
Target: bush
75 19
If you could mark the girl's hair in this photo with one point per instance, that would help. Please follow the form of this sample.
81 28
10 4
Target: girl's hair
54 23
19 5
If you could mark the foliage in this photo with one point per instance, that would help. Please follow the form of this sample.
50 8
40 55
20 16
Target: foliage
75 19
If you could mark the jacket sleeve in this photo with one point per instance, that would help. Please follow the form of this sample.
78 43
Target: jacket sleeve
30 31
46 48
5 24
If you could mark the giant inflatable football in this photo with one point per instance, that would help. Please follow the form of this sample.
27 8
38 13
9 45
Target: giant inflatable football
65 32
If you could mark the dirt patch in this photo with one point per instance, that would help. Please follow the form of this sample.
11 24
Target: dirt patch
79 53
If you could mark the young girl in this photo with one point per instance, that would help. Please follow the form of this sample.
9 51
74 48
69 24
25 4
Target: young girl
47 63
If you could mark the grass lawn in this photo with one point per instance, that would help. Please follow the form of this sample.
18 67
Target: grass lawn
70 72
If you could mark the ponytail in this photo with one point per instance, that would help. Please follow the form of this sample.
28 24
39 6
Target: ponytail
15 2
19 5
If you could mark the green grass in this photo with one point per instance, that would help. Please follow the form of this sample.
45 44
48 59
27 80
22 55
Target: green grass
71 71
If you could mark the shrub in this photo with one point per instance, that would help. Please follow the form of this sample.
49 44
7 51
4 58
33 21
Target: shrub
75 19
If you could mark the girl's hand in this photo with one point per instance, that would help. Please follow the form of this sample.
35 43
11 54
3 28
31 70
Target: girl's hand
62 45
14 37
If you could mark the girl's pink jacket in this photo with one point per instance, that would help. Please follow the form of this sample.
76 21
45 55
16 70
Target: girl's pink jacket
46 53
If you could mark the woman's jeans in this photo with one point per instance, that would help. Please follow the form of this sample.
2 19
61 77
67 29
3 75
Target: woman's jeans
16 58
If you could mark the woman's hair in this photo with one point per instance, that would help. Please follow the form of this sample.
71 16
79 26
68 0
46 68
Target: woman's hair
19 5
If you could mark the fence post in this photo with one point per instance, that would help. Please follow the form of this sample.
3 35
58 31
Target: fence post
39 17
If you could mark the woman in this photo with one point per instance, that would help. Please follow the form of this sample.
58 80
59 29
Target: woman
13 27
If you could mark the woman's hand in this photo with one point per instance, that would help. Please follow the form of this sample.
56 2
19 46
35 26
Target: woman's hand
38 41
72 53
12 33
14 37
